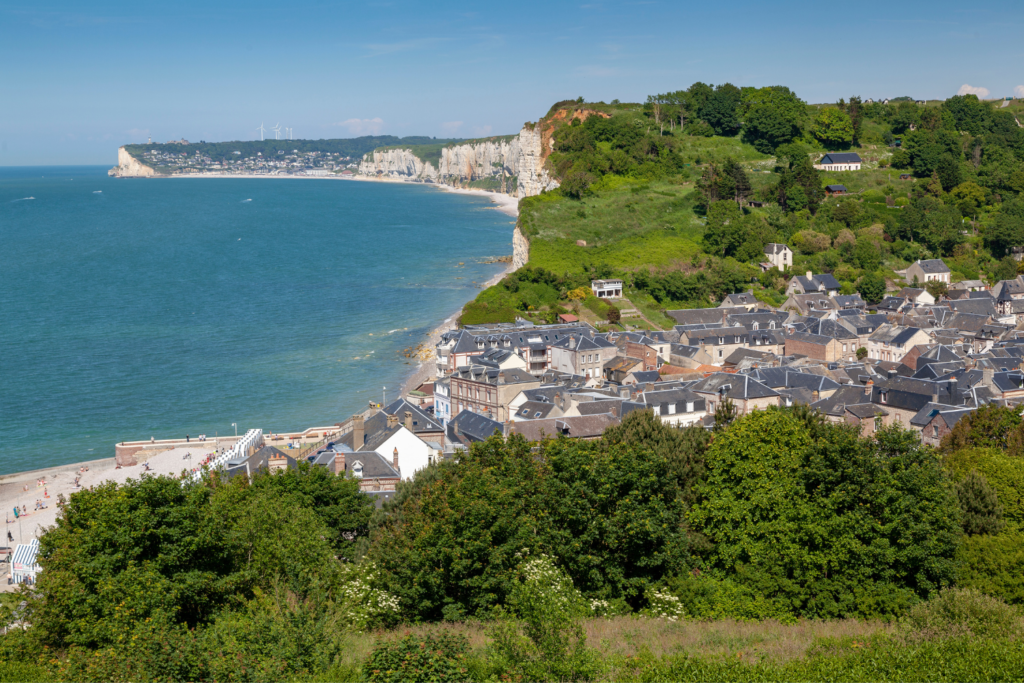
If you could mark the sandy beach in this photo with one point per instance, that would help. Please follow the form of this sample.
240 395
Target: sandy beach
24 490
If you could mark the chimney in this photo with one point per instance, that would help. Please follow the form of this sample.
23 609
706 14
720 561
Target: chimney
986 375
394 460
408 420
868 388
815 395
809 275
357 432
339 463
935 392
392 421
892 373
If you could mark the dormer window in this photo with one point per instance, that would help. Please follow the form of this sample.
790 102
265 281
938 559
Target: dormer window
755 326
357 469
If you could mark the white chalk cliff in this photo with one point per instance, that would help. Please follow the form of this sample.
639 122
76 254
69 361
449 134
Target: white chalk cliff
517 163
130 167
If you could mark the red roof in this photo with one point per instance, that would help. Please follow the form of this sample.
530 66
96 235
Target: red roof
568 318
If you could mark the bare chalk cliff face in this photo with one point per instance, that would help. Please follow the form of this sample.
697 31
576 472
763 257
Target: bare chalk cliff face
516 163
130 167
520 249
533 177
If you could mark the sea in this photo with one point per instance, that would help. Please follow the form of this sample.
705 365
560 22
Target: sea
138 308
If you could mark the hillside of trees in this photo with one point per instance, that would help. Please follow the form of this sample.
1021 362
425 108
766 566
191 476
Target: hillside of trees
697 181
910 556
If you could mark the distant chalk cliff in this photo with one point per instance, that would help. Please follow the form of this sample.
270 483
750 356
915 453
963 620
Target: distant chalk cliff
130 167
514 164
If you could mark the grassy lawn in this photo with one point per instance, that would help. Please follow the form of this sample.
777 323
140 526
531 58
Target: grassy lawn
629 225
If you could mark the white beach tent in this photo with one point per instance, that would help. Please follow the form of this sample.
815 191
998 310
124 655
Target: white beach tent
23 565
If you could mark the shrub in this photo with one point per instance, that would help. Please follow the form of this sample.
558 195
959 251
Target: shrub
979 505
541 636
991 564
964 612
438 657
810 242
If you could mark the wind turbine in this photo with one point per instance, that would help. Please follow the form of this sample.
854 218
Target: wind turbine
260 129
277 132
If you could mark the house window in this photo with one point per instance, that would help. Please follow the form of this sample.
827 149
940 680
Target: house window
689 406
935 431
357 469
719 353
671 408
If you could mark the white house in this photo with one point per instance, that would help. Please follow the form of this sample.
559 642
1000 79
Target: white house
928 271
839 161
779 255
410 451
607 289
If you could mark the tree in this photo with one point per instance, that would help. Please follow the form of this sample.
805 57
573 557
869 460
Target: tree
868 254
721 110
968 197
725 413
740 183
937 288
862 353
796 516
855 110
683 449
872 287
1006 232
949 172
772 116
979 505
832 127
610 516
724 232
576 184
990 426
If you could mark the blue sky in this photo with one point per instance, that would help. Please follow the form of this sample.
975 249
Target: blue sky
78 79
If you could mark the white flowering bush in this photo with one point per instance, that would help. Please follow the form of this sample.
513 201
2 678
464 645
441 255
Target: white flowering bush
664 605
362 606
541 636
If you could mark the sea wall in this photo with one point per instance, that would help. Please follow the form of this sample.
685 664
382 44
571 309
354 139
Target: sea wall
130 167
516 163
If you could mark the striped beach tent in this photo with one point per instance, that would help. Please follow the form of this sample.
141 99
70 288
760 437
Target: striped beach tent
23 565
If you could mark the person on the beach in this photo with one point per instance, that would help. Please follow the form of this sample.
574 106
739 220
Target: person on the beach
10 538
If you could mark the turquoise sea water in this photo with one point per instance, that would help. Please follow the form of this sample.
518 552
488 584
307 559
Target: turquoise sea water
134 308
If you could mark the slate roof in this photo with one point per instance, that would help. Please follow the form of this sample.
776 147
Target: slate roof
646 376
986 307
697 316
836 188
740 387
934 265
741 299
850 300
773 248
374 466
535 410
475 427
612 406
422 421
583 427
840 158
949 415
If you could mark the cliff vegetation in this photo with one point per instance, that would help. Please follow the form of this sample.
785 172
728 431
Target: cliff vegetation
694 182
